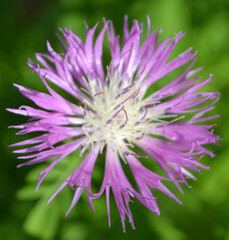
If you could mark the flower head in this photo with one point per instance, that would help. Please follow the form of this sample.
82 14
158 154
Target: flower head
114 114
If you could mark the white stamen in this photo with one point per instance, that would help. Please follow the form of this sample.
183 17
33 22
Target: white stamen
116 117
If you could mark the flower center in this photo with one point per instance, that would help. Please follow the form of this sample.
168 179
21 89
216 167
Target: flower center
117 115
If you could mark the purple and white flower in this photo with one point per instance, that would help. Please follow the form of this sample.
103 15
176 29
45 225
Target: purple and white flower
114 114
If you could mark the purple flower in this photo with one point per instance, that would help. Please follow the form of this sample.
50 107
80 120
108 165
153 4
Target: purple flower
114 115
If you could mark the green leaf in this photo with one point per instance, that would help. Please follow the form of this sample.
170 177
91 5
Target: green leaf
74 232
42 221
27 193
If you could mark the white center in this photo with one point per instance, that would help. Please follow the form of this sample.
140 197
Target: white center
117 115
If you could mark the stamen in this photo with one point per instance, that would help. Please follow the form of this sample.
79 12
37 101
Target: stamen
102 145
134 154
118 96
108 70
123 125
137 123
136 94
85 110
145 106
93 98
174 120
84 90
109 121
144 114
117 106
139 138
126 153
98 94
149 105
131 96
127 89
80 150
118 112
138 156
166 95
132 85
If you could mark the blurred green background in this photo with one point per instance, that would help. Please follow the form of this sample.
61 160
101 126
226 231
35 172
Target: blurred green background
25 27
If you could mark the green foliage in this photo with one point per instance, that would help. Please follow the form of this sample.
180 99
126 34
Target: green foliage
44 221
24 213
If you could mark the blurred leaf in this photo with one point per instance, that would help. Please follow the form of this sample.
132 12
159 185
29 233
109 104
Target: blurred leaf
27 193
75 21
42 216
215 187
42 221
166 230
74 232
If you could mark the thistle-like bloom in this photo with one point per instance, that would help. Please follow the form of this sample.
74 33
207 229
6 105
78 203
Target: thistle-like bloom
115 116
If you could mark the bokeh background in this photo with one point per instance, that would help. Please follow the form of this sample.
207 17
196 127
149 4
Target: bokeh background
25 27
